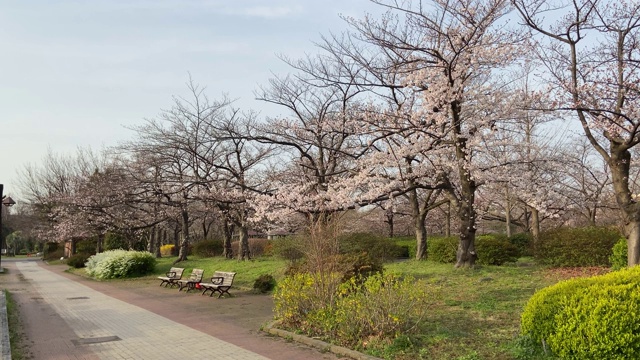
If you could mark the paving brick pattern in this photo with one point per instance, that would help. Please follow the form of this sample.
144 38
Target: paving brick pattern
112 329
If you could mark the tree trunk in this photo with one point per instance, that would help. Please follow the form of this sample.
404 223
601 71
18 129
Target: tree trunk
418 226
633 242
184 244
535 226
389 220
243 234
466 255
159 233
228 234
151 243
100 242
508 212
619 163
447 229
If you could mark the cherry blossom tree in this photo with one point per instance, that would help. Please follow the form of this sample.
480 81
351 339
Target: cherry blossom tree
590 53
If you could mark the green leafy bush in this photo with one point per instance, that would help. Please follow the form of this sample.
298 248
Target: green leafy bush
120 263
114 241
288 248
78 260
524 243
495 250
208 248
618 256
264 283
443 250
87 246
383 307
575 247
408 246
377 247
588 318
52 251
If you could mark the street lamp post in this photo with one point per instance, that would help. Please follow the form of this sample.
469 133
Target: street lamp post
6 201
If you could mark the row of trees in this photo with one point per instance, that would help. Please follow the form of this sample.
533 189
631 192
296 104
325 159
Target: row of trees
441 108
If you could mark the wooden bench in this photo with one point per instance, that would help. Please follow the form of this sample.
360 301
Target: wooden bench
173 275
190 283
220 282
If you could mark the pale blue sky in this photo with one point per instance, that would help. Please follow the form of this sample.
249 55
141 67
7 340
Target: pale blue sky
75 73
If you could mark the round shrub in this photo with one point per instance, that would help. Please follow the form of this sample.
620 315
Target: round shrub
599 323
78 260
576 247
443 250
120 263
264 283
618 256
495 250
208 248
588 318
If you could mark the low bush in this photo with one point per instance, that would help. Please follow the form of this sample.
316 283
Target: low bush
78 260
377 247
618 256
87 246
52 251
382 307
588 318
207 248
495 250
288 248
523 242
264 283
443 250
120 263
576 247
259 247
408 246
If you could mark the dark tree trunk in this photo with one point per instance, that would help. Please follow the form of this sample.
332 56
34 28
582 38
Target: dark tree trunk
100 242
228 237
389 220
245 253
184 244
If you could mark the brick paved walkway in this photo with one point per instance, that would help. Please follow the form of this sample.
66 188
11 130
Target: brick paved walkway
113 329
74 318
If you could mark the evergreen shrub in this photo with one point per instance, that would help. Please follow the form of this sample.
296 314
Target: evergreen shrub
495 250
443 249
618 256
524 243
264 283
575 247
78 260
207 248
120 263
288 248
378 248
588 318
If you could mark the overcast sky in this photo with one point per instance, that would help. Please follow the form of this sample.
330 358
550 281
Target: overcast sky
76 73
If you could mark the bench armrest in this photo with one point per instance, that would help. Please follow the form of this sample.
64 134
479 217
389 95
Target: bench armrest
217 280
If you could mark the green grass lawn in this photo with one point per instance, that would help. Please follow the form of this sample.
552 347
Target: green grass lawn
476 314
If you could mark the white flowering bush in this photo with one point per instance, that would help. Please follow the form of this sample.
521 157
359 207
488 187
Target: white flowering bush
120 263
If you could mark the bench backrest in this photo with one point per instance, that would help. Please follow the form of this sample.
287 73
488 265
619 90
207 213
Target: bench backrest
227 277
177 272
196 275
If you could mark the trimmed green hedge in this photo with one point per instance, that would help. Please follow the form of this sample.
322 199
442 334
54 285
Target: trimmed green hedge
588 318
575 247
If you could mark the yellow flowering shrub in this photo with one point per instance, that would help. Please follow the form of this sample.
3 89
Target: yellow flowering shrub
167 250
